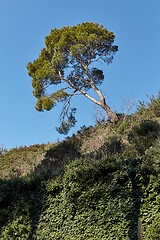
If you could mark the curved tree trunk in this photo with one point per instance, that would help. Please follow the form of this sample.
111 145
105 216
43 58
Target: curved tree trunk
113 117
102 103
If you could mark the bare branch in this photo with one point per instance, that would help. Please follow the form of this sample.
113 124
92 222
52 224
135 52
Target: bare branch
80 90
92 84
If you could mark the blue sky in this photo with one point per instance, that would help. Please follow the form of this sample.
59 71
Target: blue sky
134 73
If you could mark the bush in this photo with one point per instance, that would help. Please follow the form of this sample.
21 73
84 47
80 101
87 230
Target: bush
143 135
151 109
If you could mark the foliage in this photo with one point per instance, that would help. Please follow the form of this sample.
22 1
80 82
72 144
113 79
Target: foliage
151 210
70 59
95 196
19 161
92 199
144 135
150 109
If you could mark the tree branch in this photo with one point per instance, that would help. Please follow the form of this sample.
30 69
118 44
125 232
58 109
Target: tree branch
94 87
80 90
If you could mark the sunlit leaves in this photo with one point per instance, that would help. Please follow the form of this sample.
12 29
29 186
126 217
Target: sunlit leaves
48 102
60 95
78 50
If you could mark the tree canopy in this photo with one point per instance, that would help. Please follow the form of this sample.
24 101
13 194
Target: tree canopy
69 60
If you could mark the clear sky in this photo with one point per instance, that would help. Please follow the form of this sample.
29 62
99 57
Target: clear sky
135 71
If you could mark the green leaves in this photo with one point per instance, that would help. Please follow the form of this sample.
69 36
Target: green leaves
78 50
144 135
97 75
44 103
48 102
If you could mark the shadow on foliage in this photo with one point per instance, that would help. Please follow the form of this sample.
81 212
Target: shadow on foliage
20 199
24 197
143 135
136 196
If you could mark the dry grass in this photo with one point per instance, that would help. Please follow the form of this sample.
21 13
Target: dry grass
95 140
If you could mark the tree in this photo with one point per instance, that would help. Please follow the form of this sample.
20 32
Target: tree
70 60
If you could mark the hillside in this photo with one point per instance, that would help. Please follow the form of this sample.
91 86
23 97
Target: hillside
98 184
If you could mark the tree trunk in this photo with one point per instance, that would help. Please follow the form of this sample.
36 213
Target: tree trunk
112 116
102 103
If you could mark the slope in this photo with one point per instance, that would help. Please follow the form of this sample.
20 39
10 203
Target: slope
75 190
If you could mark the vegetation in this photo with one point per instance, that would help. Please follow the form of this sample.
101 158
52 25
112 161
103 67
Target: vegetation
71 59
69 190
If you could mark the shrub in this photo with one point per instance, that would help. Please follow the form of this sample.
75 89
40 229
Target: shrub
151 109
143 135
